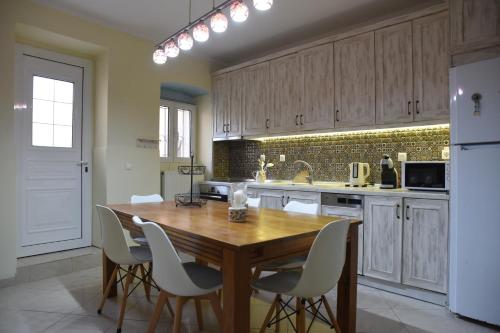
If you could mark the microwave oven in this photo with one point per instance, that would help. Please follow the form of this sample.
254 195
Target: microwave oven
426 175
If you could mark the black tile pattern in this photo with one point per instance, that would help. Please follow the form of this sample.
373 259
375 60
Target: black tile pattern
329 155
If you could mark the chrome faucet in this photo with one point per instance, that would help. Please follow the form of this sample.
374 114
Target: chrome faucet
309 169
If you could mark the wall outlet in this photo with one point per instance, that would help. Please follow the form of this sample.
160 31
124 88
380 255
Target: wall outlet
282 158
402 157
445 153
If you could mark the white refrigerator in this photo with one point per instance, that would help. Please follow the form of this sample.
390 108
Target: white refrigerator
475 191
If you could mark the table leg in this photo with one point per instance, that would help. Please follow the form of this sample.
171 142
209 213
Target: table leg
348 285
236 291
107 270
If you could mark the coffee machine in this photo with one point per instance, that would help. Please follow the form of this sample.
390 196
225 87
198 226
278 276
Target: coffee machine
389 175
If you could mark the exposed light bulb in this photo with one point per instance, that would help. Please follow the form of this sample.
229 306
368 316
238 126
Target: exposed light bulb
201 32
238 11
218 22
185 41
262 4
171 49
159 56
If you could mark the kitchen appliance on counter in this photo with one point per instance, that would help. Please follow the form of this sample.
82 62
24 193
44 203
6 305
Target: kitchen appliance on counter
389 175
475 191
426 175
346 206
214 192
359 173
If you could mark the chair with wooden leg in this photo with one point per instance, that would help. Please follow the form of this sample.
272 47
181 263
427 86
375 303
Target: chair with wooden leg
319 275
117 250
184 281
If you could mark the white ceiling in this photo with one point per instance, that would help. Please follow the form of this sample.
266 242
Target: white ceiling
288 22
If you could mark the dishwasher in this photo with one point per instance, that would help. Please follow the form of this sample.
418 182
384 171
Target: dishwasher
348 206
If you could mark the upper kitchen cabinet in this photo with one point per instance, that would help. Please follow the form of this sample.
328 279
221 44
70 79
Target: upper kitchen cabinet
355 81
475 24
286 93
394 74
317 109
431 62
221 104
256 95
235 103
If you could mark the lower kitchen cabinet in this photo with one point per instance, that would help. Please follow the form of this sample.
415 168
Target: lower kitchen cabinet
304 197
425 244
383 233
277 199
273 199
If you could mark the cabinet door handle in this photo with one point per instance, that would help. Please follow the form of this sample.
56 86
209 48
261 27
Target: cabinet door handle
267 123
398 211
416 106
287 199
229 127
407 212
297 120
224 128
337 113
283 201
409 107
301 120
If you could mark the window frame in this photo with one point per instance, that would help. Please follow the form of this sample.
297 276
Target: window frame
173 134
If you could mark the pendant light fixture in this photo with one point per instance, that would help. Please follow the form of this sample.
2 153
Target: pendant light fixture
183 39
201 33
171 49
218 22
238 11
159 56
262 4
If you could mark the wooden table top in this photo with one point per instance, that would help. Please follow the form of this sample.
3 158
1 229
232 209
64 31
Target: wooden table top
211 222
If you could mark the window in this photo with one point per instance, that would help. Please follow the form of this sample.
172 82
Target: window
52 120
176 131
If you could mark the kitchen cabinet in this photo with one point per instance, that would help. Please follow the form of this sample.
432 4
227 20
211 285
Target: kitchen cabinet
317 103
383 237
286 94
355 81
221 104
273 199
256 99
303 197
394 74
431 62
425 244
475 24
235 110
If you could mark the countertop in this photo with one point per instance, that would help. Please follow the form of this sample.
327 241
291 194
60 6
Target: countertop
337 187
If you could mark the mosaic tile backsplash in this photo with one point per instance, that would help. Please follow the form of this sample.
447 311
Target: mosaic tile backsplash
329 155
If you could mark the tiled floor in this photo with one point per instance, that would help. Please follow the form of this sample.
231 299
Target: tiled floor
68 304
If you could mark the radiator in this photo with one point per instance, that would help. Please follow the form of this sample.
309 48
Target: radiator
172 183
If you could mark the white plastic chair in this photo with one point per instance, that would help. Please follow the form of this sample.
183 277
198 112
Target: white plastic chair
253 202
181 280
118 251
320 274
140 199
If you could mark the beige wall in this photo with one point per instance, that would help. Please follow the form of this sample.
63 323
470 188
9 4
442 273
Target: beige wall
126 101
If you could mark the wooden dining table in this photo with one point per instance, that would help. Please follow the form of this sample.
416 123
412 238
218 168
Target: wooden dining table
266 235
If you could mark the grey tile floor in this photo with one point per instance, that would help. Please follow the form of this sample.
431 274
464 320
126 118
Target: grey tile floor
67 304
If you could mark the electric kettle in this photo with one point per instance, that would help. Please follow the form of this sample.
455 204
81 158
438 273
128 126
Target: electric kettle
359 173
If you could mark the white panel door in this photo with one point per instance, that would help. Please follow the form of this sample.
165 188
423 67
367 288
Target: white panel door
50 184
475 100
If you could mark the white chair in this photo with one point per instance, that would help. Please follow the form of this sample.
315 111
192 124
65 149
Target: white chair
183 281
140 199
253 202
117 250
320 274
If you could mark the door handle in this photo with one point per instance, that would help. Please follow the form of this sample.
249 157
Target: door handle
409 107
297 120
416 106
282 201
301 120
287 199
337 115
407 212
267 123
398 211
